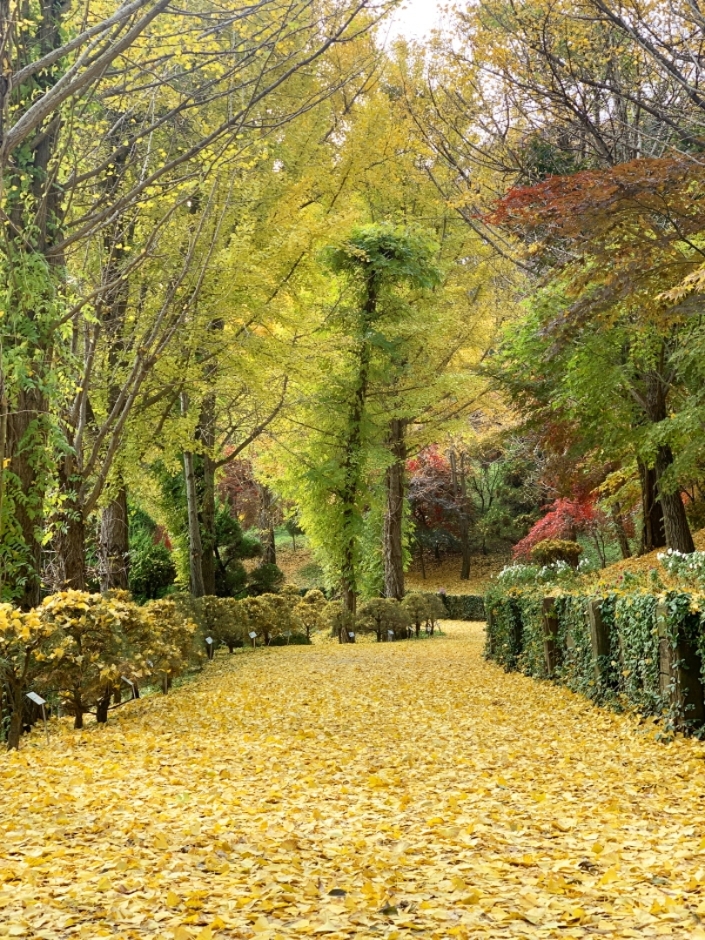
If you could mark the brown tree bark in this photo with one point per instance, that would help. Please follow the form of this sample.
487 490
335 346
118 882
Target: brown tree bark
394 514
653 531
24 438
269 548
206 435
675 520
103 706
195 553
618 521
114 544
459 482
71 535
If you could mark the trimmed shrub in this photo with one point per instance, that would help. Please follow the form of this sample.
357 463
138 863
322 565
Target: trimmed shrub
463 606
549 551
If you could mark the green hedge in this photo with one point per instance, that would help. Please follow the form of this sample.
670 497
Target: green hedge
649 654
464 606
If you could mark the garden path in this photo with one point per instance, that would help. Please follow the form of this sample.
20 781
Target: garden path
402 790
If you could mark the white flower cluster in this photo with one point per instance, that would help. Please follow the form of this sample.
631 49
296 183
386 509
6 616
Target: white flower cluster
689 567
516 575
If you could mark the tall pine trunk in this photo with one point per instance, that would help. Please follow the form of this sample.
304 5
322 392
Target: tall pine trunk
394 513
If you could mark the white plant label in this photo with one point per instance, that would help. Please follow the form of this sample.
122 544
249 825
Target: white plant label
37 699
253 636
351 635
128 681
209 640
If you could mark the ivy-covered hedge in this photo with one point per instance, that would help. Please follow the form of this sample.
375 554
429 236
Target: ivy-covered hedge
636 649
464 606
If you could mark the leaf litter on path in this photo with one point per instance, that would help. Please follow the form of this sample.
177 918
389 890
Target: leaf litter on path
396 790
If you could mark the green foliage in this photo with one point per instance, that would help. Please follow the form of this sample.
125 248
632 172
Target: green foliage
386 618
264 579
152 570
630 673
337 619
463 606
388 256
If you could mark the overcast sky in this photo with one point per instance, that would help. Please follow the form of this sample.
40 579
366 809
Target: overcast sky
419 17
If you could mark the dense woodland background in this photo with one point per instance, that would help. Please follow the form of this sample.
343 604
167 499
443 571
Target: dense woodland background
265 277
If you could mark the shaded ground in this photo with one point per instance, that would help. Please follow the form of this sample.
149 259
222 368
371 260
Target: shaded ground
433 794
299 568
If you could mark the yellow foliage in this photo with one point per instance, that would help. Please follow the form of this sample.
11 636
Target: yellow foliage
285 794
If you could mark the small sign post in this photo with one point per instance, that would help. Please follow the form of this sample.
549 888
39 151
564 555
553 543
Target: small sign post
253 637
38 700
390 634
209 641
130 683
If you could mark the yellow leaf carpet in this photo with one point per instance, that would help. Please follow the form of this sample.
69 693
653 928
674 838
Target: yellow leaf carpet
400 790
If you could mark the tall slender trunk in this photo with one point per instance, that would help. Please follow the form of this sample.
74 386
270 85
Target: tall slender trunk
195 550
114 543
394 514
25 438
352 461
653 531
206 434
459 484
618 522
195 553
35 227
422 558
266 522
465 548
71 535
114 539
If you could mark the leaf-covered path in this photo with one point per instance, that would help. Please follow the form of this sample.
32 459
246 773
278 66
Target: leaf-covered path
404 790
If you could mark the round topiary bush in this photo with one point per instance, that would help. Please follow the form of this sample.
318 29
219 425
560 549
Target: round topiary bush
550 551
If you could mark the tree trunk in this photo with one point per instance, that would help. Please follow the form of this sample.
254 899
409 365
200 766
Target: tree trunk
114 544
465 548
78 713
102 707
618 521
25 440
71 534
14 730
459 484
422 559
195 552
678 534
206 434
653 533
269 548
394 514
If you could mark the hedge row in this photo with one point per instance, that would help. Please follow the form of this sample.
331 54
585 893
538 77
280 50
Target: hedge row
464 606
638 650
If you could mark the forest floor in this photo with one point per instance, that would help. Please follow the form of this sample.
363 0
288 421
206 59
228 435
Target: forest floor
398 790
299 568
